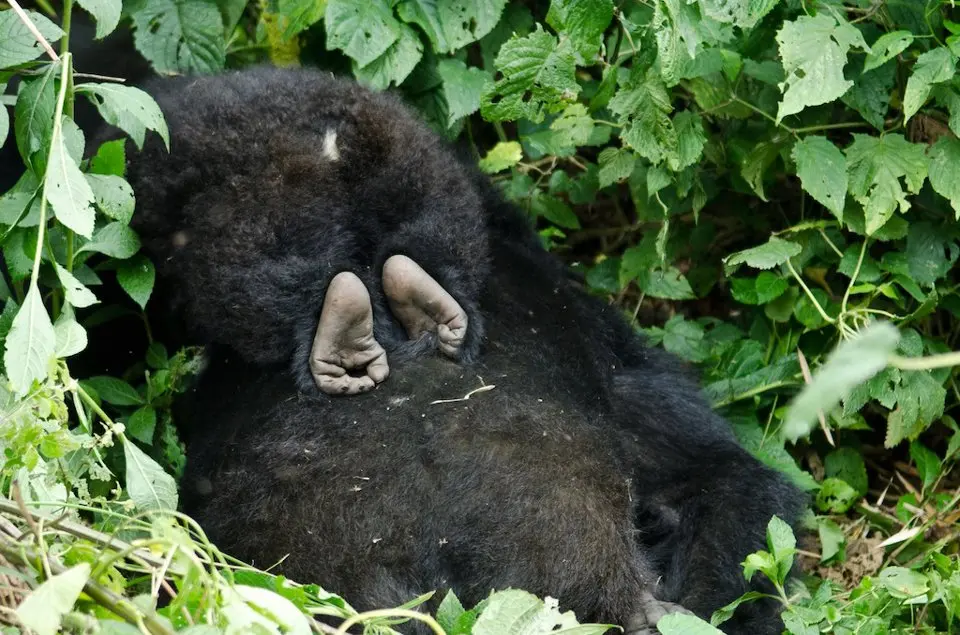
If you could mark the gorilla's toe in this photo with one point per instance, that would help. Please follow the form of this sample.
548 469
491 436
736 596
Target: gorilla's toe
652 610
346 359
422 305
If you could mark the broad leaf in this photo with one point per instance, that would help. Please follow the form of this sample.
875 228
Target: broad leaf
887 47
823 172
128 108
945 170
113 196
504 155
67 190
743 13
516 612
363 29
74 292
148 485
814 51
114 391
33 117
853 362
71 338
180 36
17 43
462 87
875 166
395 64
105 12
774 252
115 239
616 164
142 424
642 105
933 67
452 24
668 284
137 276
682 624
30 343
583 21
46 605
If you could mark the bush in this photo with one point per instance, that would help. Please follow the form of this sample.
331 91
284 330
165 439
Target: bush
764 186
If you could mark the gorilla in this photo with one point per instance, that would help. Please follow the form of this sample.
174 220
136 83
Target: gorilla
306 231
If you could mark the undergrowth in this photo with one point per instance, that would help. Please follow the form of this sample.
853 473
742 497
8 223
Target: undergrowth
769 189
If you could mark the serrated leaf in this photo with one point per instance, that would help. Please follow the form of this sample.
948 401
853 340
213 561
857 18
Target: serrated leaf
823 172
675 29
945 170
142 424
920 401
583 21
300 14
71 338
742 13
520 613
683 624
774 252
363 29
668 284
67 190
113 196
452 24
831 538
395 64
105 12
33 117
148 485
46 605
504 155
17 43
74 292
128 108
116 240
887 47
110 159
814 51
615 164
180 36
137 276
690 140
555 211
853 362
875 166
462 87
933 67
538 75
757 162
114 391
870 95
927 462
30 343
642 105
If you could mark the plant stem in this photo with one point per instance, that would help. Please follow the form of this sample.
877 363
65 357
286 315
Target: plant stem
943 360
853 278
414 615
809 293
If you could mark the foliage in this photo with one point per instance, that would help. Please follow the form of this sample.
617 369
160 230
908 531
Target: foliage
755 182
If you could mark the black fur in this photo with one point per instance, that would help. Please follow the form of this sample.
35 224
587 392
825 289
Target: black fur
593 471
248 221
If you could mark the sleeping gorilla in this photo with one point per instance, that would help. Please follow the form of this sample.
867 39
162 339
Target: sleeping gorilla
590 469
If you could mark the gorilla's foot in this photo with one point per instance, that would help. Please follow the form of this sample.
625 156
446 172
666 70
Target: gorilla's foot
651 610
422 305
344 342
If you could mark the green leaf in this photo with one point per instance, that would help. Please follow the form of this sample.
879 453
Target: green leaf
17 43
71 338
668 284
831 538
822 171
583 21
114 391
449 612
505 154
462 87
945 170
887 47
555 210
142 424
933 67
783 545
46 605
757 162
538 75
681 624
395 64
179 36
30 343
690 140
33 117
836 496
615 164
363 29
157 356
128 108
920 401
685 339
870 95
116 240
74 292
452 24
642 105
148 485
300 14
516 612
113 196
814 51
742 13
931 253
675 29
853 362
67 191
137 276
110 159
928 464
903 583
770 287
4 123
875 166
105 12
847 464
774 252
